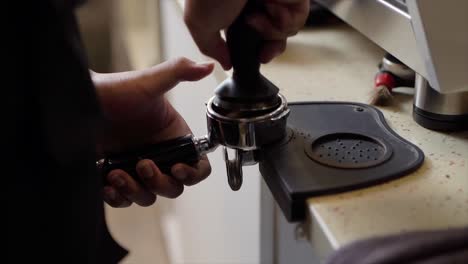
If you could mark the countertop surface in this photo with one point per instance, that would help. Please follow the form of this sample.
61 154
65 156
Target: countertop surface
336 63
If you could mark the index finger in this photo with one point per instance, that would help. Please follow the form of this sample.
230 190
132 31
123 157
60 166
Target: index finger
191 175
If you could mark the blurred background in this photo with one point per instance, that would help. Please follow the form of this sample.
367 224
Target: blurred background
121 35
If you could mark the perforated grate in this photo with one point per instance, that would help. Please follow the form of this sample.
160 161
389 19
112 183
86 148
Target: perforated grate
347 150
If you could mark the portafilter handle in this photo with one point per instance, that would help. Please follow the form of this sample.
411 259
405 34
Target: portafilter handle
187 149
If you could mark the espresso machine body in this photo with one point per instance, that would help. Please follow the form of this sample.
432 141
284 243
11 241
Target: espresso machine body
430 37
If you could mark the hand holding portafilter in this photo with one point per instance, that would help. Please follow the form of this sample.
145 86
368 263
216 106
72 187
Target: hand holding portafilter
246 113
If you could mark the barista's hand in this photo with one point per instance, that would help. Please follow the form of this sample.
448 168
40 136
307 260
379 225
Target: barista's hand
281 19
136 112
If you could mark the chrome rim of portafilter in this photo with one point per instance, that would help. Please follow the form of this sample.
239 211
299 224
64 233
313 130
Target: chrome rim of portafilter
245 133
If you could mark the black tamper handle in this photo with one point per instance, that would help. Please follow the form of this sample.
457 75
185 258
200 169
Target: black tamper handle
245 45
164 154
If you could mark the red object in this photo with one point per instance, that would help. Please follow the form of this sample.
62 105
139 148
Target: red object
385 79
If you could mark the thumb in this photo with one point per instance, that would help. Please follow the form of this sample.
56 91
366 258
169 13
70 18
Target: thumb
159 79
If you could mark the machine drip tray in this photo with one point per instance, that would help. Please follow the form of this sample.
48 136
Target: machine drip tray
333 147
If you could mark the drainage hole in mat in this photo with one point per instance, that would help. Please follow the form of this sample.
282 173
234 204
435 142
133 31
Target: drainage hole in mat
348 150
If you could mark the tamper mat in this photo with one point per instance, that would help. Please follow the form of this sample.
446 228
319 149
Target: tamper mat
333 147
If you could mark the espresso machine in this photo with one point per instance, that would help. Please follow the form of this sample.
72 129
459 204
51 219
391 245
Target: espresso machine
431 38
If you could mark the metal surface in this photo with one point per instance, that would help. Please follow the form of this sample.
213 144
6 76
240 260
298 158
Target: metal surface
204 144
385 23
234 166
234 169
398 69
430 100
441 31
248 133
244 135
429 36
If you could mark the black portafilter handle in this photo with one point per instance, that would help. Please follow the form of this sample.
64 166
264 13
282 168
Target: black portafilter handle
247 85
164 154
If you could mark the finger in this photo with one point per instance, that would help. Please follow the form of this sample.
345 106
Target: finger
158 182
183 69
280 16
300 13
130 189
192 175
213 45
280 21
265 27
272 49
114 199
290 15
205 20
159 79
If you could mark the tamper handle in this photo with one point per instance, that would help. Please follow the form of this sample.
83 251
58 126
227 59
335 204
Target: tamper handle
245 44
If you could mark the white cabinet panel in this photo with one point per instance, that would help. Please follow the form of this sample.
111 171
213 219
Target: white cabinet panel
209 223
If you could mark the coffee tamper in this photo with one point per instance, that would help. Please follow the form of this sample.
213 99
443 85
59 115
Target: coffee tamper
246 114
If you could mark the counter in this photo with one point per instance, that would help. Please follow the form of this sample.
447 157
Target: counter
339 64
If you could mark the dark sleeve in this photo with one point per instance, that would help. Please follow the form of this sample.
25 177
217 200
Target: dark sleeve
55 208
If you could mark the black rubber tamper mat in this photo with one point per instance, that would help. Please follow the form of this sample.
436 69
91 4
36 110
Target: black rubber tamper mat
333 147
